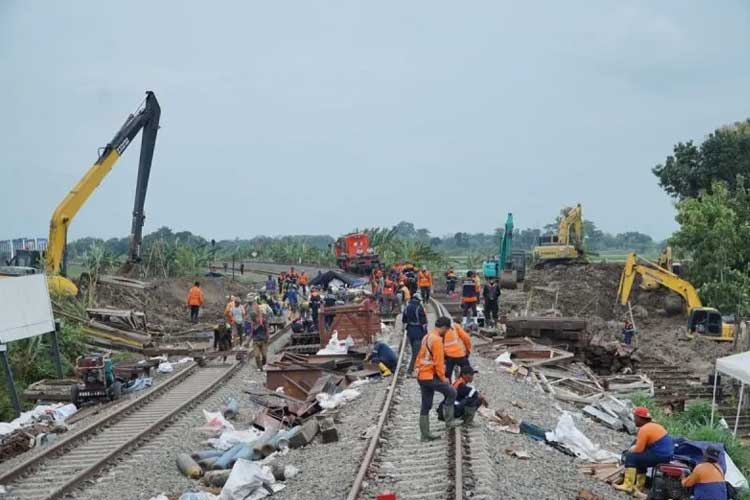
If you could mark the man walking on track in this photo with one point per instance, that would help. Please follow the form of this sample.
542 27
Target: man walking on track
469 296
424 281
491 295
195 301
430 368
414 320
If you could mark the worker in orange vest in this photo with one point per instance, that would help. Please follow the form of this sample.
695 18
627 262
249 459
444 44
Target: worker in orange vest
430 372
303 281
228 311
457 347
195 301
388 298
469 295
424 282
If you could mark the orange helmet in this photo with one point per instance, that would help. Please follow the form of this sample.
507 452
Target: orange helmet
641 411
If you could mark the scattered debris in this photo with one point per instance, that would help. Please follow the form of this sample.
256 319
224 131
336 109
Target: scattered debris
517 453
588 495
607 472
568 436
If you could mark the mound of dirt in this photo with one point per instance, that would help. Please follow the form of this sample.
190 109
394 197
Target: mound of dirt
164 301
576 290
590 292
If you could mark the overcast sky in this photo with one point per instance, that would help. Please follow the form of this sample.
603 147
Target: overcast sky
319 117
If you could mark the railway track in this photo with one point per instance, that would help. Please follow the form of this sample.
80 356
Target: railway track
415 470
66 465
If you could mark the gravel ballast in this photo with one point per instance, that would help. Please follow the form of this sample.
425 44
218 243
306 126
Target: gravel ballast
548 473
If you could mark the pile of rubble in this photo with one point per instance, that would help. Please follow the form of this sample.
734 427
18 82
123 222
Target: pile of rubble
299 402
37 427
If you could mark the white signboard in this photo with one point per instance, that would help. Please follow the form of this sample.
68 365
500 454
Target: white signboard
25 308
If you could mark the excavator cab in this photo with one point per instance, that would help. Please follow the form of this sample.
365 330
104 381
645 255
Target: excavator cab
708 322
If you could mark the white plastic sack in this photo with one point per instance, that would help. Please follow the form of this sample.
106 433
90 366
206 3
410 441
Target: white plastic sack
65 411
160 496
231 438
186 359
504 359
215 421
165 367
329 402
569 436
196 495
246 482
357 383
335 346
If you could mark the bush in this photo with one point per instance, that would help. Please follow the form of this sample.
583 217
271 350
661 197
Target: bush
31 361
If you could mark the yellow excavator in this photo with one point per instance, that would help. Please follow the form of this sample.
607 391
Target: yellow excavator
562 247
665 262
146 118
704 321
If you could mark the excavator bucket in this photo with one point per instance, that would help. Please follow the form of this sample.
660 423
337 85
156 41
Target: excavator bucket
509 279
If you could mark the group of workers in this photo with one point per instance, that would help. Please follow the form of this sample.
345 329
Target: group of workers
435 356
394 289
248 321
654 446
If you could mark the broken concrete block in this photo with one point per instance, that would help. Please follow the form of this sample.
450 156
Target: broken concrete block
306 434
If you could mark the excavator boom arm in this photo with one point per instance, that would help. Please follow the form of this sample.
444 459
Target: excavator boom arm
573 218
662 276
145 118
507 244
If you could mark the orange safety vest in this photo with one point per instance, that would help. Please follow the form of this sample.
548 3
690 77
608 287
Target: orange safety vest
470 291
430 360
228 317
195 297
424 280
303 279
457 342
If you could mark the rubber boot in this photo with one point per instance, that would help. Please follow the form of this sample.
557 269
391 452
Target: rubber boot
639 491
469 413
628 482
450 422
424 429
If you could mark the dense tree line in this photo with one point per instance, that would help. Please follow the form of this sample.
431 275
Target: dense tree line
710 183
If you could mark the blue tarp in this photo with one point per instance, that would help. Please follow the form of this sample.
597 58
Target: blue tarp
695 449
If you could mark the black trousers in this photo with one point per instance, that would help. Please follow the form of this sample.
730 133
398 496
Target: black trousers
425 293
491 308
314 311
415 343
469 307
451 363
429 388
194 313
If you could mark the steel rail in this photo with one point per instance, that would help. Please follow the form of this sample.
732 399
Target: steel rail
60 449
457 436
375 439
